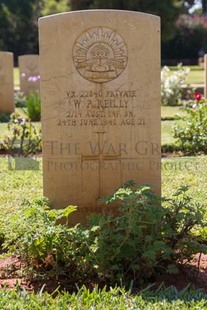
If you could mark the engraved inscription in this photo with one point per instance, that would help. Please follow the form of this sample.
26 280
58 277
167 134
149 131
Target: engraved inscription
100 55
95 108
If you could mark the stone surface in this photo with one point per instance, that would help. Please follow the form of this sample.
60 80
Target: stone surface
29 73
100 92
6 82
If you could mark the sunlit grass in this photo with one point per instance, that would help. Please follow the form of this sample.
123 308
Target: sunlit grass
16 78
196 75
167 132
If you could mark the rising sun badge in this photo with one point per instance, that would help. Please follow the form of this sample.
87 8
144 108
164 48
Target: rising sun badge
100 55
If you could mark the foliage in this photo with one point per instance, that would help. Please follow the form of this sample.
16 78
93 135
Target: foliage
18 26
191 32
19 99
191 135
146 238
168 10
25 139
34 233
54 6
137 243
50 248
33 105
171 84
4 117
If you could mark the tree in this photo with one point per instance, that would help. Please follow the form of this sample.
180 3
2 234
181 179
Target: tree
204 6
168 10
54 6
18 26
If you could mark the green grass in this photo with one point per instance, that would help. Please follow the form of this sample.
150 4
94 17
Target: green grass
3 130
17 185
190 171
167 132
196 75
168 111
16 78
171 112
115 298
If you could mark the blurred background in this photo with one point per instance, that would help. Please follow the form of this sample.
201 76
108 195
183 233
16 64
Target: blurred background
184 24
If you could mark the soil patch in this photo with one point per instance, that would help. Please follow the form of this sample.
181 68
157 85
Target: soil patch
194 272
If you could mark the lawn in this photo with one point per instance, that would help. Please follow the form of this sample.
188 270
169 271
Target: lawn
168 111
167 132
96 299
196 75
16 78
17 185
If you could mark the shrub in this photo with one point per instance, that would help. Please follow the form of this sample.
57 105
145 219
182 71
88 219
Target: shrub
190 38
137 243
33 105
191 134
19 99
24 138
49 249
146 238
4 117
33 233
171 85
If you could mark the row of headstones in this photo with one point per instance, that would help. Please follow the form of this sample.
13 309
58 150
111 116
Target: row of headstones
29 78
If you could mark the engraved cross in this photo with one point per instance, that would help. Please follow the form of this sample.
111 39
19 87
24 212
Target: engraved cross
101 157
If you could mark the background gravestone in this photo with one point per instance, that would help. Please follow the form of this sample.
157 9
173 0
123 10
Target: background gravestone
6 82
29 73
100 94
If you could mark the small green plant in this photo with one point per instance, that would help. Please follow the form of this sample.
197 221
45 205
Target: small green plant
24 138
33 105
34 233
146 238
171 85
137 242
4 117
47 247
19 99
191 134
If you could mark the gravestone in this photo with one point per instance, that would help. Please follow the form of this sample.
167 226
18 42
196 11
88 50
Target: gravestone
100 94
29 73
6 82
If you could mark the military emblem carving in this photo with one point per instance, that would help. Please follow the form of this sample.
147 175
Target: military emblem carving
100 55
